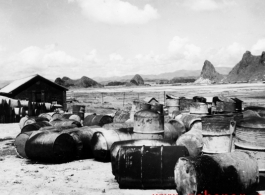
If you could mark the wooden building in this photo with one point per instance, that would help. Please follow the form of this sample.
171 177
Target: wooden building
36 88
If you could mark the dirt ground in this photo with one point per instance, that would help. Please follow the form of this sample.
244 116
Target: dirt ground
21 176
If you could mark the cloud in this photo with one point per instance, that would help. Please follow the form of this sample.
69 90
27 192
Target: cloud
208 5
258 47
116 12
36 60
182 48
225 56
115 57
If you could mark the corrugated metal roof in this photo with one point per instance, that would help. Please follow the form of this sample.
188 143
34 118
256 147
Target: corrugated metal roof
15 84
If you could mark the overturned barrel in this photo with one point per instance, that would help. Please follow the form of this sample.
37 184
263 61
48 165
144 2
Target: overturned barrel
190 121
98 120
65 122
193 141
101 142
148 121
46 115
148 167
70 116
117 145
235 172
29 120
20 143
52 147
35 126
171 132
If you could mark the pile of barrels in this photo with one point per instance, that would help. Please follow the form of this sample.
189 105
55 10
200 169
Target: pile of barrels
190 151
12 110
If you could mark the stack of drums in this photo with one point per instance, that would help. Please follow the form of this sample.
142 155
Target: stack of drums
172 105
250 136
79 110
148 122
138 106
216 133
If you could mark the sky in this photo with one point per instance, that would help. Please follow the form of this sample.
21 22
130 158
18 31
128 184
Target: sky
105 38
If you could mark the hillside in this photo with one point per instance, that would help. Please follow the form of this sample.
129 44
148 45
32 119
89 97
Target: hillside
250 68
209 74
137 80
167 75
83 82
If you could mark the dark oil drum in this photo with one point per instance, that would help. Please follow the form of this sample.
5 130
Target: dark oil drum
148 167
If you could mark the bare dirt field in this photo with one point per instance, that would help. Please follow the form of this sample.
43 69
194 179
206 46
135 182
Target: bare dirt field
21 176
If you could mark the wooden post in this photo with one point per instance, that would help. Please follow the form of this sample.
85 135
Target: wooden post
164 98
138 96
123 98
101 98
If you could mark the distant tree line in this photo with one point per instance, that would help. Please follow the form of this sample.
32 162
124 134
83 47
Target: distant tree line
115 83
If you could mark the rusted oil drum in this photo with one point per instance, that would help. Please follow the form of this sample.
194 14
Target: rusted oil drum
216 133
55 115
98 120
138 106
76 134
65 122
80 111
172 105
148 121
118 126
184 103
171 132
193 141
199 108
70 116
218 124
35 126
20 143
232 173
52 147
101 142
225 106
190 121
258 109
199 99
250 133
258 154
121 116
148 167
58 128
29 120
145 142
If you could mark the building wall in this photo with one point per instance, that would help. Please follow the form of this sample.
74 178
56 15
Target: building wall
39 90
